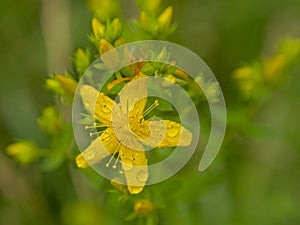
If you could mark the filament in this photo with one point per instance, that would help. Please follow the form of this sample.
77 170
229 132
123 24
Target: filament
151 107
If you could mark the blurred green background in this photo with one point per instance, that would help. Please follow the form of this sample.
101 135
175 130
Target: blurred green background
255 180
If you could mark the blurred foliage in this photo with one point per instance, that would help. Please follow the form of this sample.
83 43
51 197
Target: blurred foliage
252 47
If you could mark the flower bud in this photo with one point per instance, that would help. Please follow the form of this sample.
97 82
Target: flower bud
111 60
113 30
164 20
50 121
82 60
24 151
98 28
68 85
152 5
145 20
143 207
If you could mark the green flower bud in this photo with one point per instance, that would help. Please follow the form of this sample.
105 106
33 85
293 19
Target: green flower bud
113 30
50 121
82 60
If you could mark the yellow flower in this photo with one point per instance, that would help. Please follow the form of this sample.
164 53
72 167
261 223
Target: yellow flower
127 131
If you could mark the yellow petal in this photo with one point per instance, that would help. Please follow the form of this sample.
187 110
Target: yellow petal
94 153
164 133
136 89
97 104
80 161
135 167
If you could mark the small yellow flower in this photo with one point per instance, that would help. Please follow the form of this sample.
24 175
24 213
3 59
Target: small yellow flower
127 131
143 207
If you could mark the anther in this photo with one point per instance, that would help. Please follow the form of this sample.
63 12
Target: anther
95 133
94 126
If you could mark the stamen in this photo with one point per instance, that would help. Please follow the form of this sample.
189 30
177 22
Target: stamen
113 155
95 133
111 158
116 162
109 138
151 107
95 126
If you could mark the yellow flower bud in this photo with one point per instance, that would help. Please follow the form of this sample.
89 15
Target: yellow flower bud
143 207
273 67
68 85
152 5
111 60
145 19
98 28
24 151
164 20
105 46
54 85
